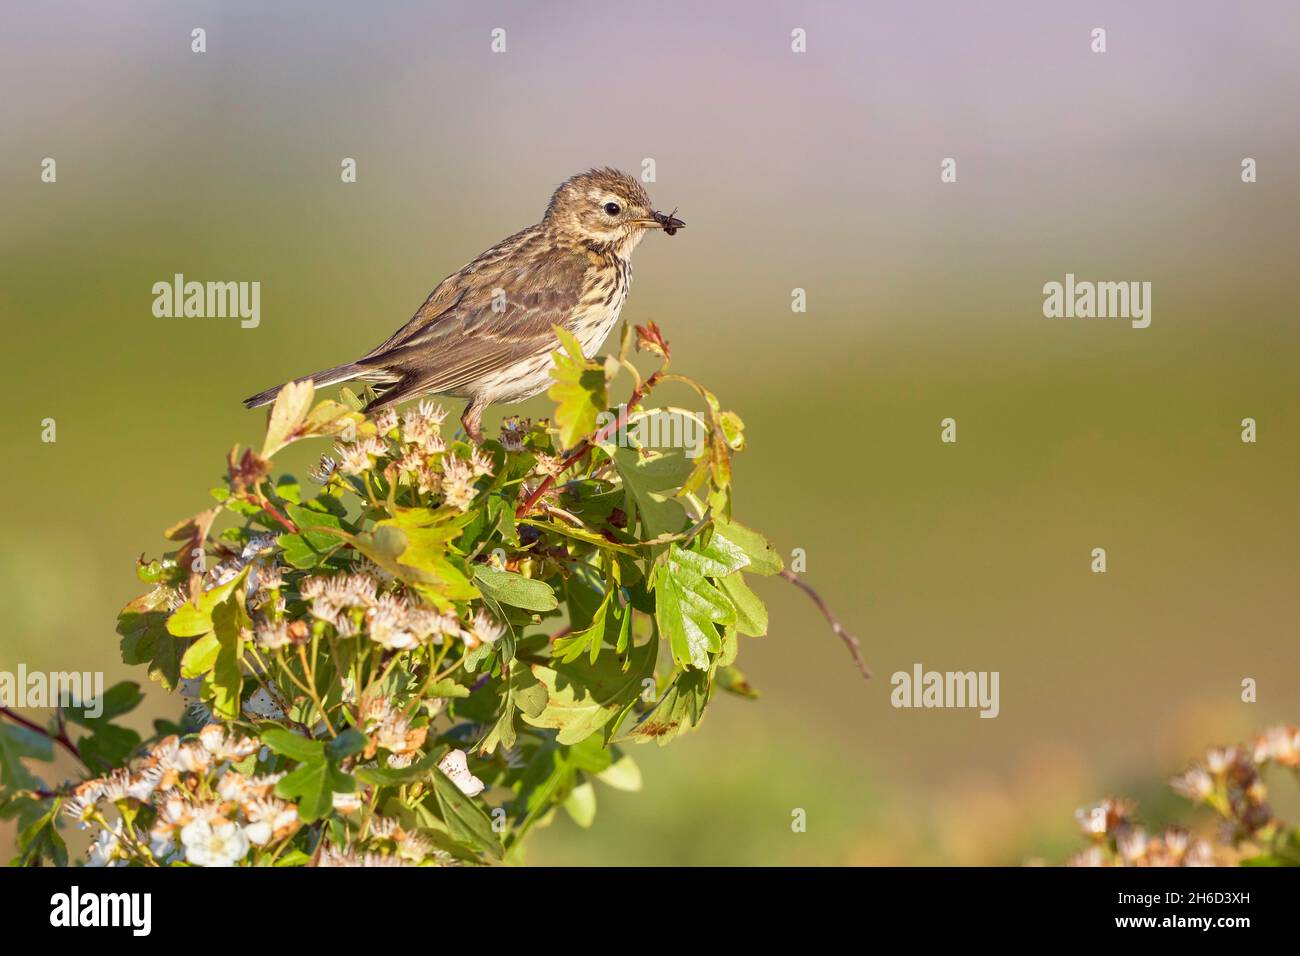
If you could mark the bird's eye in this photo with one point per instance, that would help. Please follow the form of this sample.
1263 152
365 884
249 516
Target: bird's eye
613 208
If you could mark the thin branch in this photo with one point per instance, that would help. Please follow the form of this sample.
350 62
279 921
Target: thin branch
851 642
261 501
61 738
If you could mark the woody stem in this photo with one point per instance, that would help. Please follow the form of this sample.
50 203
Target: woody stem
851 642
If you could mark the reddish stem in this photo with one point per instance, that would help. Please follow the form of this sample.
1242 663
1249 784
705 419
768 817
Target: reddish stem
271 510
587 444
851 642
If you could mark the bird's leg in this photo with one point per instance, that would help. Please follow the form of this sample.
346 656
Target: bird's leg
471 418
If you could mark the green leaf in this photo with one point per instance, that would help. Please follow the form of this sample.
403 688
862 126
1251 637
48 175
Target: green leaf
582 698
581 805
40 840
679 710
688 606
347 743
579 391
465 819
508 587
200 657
226 680
523 692
294 746
191 620
108 747
290 408
611 625
650 481
733 681
17 742
119 699
380 776
446 688
622 774
145 639
417 558
763 558
313 785
579 534
751 613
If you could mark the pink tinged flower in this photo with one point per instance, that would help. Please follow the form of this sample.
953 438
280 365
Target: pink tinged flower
1199 854
1196 784
402 741
1280 745
225 746
480 462
513 431
269 820
107 850
271 578
414 847
173 813
193 758
550 465
1132 844
232 786
84 802
1091 857
347 802
214 844
411 462
272 636
386 828
455 766
1220 759
390 624
1177 841
435 413
114 785
485 629
353 459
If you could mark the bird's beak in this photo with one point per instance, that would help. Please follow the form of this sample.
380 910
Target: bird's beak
668 221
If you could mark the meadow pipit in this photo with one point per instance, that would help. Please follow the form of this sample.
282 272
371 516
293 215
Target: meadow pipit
485 333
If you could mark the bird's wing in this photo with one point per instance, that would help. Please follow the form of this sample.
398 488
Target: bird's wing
497 310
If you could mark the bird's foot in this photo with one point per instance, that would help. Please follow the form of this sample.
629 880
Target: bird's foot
470 422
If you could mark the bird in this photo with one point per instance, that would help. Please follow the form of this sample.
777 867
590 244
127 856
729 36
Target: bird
485 333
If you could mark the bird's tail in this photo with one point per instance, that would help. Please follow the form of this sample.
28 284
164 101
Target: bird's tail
329 376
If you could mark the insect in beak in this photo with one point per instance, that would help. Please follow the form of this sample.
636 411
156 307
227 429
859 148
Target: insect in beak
668 221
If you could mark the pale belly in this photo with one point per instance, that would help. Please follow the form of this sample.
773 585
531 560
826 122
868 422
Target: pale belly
532 376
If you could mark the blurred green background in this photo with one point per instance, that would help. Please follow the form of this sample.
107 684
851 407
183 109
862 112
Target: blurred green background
818 171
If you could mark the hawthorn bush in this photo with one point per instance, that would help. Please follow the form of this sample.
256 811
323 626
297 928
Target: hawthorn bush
423 653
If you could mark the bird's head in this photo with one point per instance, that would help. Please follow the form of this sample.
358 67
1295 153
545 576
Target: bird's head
607 209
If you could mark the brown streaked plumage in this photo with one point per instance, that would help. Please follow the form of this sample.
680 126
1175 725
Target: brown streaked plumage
485 333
